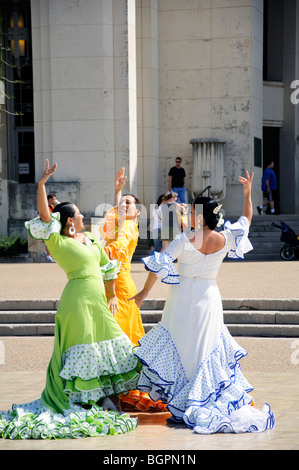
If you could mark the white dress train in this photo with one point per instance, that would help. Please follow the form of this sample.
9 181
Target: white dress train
190 360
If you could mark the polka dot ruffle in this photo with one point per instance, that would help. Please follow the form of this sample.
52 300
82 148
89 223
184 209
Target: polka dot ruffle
216 389
42 230
93 371
110 270
162 265
34 421
239 232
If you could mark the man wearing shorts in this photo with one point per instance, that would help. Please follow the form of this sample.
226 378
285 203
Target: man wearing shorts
269 186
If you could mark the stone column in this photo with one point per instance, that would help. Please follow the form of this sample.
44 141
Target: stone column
148 101
289 141
84 70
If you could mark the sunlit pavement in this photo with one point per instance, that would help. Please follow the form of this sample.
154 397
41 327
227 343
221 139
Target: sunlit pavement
272 365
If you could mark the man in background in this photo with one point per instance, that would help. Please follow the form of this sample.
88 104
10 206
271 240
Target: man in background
176 180
52 201
269 186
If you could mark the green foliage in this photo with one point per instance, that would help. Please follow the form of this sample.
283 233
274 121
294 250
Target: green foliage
12 245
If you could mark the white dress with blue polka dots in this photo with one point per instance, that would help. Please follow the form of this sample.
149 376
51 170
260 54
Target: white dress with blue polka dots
190 360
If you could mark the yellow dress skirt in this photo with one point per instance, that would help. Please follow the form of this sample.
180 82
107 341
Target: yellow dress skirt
121 239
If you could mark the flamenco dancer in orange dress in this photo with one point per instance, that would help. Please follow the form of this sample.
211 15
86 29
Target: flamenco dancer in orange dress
120 232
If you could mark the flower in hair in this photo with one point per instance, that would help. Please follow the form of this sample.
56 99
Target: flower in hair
217 209
220 219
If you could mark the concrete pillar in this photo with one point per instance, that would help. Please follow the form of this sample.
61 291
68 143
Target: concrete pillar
148 99
84 69
289 141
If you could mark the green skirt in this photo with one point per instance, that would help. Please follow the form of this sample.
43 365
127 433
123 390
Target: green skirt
92 359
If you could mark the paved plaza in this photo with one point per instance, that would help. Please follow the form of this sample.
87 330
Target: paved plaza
272 364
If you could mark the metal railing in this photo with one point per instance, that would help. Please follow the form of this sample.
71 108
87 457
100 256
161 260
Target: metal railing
208 188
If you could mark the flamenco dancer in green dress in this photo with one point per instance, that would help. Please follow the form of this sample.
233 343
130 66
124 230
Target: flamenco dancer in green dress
92 361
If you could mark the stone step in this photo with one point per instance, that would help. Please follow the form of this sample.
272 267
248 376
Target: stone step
261 257
289 219
239 322
240 317
270 248
269 330
27 329
266 244
27 316
243 317
25 304
283 304
153 316
267 251
268 227
272 331
237 304
265 237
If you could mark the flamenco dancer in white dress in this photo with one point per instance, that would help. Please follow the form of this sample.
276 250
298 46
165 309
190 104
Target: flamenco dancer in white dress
190 360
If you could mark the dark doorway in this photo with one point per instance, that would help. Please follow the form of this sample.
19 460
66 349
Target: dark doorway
271 153
17 70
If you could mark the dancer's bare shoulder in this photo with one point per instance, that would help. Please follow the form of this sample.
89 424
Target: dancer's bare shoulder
206 241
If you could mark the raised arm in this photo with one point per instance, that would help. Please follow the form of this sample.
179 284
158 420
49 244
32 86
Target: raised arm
42 201
119 183
247 184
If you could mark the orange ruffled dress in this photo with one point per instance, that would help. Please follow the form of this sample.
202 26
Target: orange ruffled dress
120 243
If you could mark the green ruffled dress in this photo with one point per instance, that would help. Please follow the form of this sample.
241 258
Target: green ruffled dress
92 357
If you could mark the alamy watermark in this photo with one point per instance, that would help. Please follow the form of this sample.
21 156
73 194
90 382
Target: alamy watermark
172 220
295 353
295 94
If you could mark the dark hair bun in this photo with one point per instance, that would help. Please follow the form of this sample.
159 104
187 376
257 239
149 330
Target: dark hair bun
208 206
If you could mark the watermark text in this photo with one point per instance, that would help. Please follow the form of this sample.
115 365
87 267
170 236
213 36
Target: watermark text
295 94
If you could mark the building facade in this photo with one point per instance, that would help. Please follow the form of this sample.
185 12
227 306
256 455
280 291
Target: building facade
95 85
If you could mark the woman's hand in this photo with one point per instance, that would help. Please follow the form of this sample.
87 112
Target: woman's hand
247 183
139 297
48 172
119 183
120 180
112 305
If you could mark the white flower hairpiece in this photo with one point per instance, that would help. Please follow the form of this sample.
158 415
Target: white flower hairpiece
220 220
219 215
217 209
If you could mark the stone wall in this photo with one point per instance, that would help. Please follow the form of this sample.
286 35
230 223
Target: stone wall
200 77
21 200
131 83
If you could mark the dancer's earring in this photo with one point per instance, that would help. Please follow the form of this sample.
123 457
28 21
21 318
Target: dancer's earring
72 229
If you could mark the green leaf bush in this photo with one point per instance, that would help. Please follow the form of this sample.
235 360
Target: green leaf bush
12 245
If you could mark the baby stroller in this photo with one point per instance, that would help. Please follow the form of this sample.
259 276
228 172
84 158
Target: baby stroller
290 240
